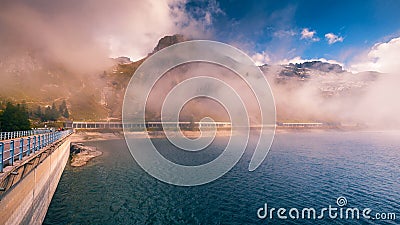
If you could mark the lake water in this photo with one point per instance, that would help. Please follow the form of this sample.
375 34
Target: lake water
302 170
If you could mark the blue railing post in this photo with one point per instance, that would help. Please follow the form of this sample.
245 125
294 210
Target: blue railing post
21 148
34 144
12 152
39 143
1 156
29 146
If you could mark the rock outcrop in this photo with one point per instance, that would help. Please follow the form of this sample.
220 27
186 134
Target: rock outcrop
82 154
168 41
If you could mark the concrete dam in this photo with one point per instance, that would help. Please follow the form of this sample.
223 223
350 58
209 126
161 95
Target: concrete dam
30 170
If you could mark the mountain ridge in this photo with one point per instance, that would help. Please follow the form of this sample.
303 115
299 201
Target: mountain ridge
99 96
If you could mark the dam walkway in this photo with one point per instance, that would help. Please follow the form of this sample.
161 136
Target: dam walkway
24 133
31 168
16 149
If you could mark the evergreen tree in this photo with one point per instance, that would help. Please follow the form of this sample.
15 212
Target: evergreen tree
63 110
53 107
14 118
47 114
54 112
62 107
38 112
65 113
51 113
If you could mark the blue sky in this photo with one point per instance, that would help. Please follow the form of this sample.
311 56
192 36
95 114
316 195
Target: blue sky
275 27
364 35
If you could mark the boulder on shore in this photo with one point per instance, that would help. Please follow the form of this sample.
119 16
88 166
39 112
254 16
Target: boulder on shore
81 154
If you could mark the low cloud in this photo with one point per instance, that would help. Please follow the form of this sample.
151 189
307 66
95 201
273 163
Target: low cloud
261 58
332 38
382 57
298 59
284 33
309 35
381 101
81 35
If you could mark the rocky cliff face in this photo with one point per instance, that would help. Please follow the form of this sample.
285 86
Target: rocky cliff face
118 78
320 66
330 79
168 41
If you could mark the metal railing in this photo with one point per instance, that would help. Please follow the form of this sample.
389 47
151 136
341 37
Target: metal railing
13 150
17 134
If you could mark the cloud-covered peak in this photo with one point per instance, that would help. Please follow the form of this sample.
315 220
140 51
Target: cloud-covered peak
261 58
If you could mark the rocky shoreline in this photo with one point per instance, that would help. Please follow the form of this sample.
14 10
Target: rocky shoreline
82 154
